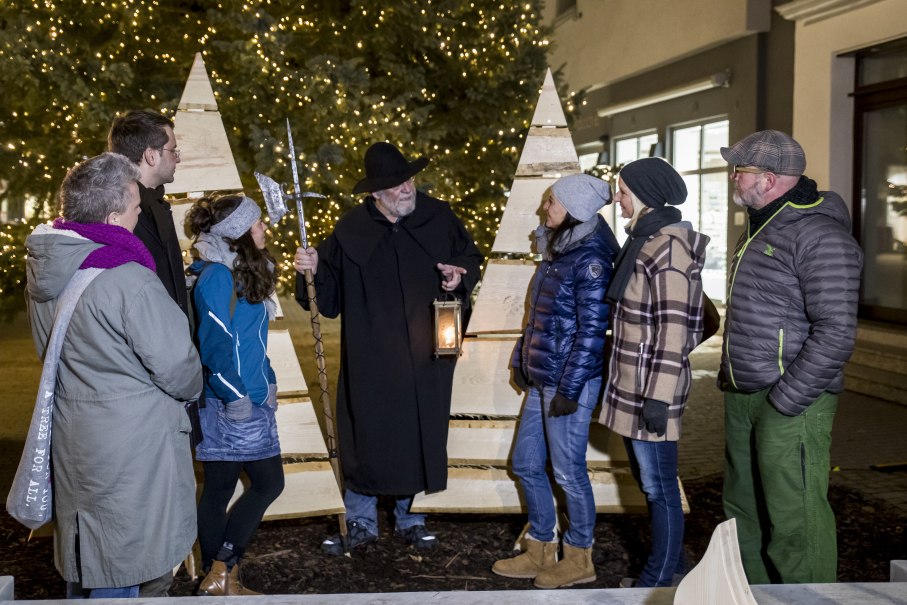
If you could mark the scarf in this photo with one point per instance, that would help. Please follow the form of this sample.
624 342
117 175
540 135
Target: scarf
214 249
648 224
804 192
119 245
566 241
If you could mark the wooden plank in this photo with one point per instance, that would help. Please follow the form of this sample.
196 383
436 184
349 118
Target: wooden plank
179 209
206 161
490 442
278 308
198 94
310 491
548 152
501 305
548 110
474 490
522 214
298 430
481 385
290 380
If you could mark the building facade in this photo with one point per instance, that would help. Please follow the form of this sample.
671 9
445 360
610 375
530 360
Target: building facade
682 79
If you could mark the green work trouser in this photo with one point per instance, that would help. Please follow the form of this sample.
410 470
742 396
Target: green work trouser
776 487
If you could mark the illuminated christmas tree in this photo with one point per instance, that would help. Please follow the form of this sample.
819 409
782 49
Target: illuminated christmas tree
453 80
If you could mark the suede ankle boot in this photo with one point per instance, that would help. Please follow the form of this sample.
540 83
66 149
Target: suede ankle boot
234 584
575 568
215 583
538 556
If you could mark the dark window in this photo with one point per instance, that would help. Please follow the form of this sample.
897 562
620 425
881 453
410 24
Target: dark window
880 178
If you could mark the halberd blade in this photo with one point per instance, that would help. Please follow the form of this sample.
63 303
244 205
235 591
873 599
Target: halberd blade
275 199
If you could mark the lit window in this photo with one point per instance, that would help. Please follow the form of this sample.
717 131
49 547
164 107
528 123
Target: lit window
696 155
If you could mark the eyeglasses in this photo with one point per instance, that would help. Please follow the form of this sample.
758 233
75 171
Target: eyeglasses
736 169
175 151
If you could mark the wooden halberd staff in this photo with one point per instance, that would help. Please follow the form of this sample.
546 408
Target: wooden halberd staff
275 200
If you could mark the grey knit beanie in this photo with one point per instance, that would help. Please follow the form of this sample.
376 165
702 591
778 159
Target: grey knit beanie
582 195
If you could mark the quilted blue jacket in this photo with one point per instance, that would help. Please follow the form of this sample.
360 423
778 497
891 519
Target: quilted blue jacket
791 318
563 342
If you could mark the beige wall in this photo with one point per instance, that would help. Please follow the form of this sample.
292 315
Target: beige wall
605 40
823 111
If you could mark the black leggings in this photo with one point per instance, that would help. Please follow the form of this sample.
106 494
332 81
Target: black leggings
215 526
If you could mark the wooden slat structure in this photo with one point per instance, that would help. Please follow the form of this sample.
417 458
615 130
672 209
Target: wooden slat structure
206 161
485 406
298 430
501 303
490 443
290 381
494 490
522 216
310 490
481 385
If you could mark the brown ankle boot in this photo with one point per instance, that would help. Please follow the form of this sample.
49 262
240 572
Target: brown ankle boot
538 556
235 584
215 583
575 568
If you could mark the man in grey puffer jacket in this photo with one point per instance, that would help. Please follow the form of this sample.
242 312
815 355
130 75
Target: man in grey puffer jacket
790 327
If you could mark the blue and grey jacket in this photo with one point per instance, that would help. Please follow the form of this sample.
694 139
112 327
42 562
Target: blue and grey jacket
232 343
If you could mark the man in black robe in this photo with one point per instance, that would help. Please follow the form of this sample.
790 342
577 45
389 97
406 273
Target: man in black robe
386 262
147 138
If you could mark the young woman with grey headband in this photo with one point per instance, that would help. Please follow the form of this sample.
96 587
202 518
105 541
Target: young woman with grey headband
232 307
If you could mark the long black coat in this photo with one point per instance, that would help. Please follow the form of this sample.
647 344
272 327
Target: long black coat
156 230
393 395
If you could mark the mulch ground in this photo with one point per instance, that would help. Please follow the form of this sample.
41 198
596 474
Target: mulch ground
285 558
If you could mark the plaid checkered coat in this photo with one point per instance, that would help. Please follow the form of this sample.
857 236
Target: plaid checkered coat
656 325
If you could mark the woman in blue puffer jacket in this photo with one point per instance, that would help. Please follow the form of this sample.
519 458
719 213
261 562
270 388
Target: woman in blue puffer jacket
558 362
232 303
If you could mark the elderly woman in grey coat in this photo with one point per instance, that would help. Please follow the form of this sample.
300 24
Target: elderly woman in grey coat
123 483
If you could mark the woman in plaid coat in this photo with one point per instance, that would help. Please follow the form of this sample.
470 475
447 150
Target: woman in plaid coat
657 309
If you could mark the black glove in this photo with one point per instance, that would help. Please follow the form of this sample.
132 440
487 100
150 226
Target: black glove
561 406
654 417
519 379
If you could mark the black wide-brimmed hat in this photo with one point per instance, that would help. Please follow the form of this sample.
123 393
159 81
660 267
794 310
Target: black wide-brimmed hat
385 167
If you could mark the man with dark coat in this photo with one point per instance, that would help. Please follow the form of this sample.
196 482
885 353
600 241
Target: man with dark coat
385 263
147 138
790 327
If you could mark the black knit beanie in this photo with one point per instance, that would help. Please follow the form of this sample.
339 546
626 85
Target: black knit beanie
655 182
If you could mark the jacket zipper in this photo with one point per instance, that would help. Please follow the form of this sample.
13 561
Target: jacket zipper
781 351
730 293
524 361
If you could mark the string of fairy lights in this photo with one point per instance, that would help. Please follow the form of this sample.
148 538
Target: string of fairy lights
456 81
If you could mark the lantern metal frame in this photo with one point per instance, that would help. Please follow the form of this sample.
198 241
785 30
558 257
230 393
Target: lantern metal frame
448 312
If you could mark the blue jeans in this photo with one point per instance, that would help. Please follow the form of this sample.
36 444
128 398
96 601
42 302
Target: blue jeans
364 510
564 439
654 466
74 590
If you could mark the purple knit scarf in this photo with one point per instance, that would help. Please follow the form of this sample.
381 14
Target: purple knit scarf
119 247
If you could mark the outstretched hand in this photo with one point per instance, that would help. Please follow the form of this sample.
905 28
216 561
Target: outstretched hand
451 276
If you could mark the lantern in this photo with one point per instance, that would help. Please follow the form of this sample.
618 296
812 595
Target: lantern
447 326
